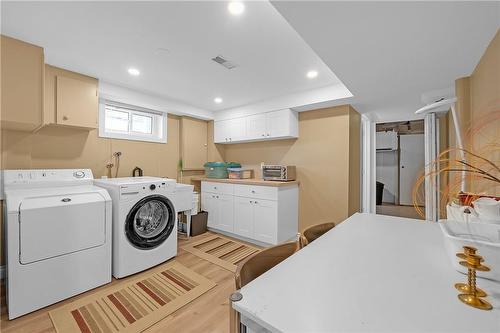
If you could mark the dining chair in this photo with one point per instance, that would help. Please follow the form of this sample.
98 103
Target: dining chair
313 232
251 268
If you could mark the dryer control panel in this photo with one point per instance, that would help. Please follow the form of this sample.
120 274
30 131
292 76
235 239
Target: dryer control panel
46 177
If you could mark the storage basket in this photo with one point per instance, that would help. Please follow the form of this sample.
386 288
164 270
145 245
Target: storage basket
239 173
219 169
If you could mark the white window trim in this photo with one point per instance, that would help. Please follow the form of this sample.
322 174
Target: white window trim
162 116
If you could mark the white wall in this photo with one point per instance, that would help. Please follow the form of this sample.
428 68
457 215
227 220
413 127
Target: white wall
387 173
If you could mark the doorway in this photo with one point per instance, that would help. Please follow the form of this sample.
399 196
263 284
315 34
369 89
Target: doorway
400 161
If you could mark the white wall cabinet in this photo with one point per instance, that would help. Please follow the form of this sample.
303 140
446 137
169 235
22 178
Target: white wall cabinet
263 214
281 124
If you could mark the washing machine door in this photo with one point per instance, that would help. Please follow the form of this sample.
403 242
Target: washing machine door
150 222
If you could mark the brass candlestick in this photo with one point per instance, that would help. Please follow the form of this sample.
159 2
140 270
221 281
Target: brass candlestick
464 287
472 298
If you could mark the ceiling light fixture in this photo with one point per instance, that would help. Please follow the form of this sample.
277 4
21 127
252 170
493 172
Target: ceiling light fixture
236 7
218 100
134 71
312 74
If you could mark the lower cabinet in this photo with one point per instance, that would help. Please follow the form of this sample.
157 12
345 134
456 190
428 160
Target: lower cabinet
220 210
244 210
266 214
265 221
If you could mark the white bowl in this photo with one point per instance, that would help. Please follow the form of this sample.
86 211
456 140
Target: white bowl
482 236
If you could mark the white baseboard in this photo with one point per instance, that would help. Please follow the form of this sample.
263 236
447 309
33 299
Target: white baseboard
2 272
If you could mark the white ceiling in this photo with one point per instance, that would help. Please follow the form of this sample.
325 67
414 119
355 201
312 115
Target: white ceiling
390 53
171 43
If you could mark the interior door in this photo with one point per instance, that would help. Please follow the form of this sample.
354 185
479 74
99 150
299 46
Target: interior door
256 126
243 216
61 224
411 165
209 204
225 215
265 221
194 143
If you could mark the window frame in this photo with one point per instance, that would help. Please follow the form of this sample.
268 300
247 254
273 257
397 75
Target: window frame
158 123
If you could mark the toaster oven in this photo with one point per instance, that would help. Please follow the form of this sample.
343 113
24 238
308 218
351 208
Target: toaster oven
278 172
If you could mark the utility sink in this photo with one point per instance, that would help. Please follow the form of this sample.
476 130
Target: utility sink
484 237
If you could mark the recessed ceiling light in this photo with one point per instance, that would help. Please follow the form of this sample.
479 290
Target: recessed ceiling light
134 71
312 74
218 100
236 7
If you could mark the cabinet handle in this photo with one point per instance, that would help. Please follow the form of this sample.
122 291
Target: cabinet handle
217 197
253 191
65 118
251 201
263 135
255 202
267 134
230 139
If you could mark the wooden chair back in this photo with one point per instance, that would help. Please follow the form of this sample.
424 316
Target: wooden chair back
254 266
313 232
262 261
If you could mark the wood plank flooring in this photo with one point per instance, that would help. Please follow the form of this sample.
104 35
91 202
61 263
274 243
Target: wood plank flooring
208 313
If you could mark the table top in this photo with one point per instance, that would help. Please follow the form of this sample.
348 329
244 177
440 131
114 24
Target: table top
370 273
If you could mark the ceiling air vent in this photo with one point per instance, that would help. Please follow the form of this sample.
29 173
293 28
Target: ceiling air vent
224 62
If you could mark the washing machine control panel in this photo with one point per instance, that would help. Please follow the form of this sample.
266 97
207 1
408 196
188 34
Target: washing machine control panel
147 188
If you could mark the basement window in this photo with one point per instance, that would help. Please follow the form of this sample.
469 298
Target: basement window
120 121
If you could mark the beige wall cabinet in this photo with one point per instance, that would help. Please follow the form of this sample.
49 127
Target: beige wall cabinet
71 99
22 84
194 143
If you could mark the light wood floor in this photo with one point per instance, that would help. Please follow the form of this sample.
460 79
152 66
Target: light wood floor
208 313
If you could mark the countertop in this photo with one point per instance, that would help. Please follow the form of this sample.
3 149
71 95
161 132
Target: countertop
251 181
371 273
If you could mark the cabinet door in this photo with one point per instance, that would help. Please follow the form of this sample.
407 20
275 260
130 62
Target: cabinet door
209 204
243 216
237 129
256 126
22 84
194 143
225 210
265 221
76 102
221 134
278 123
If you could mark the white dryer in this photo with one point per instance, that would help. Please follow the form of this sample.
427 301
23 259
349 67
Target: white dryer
144 222
58 236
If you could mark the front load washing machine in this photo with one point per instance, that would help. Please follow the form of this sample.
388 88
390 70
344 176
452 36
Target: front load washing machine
144 222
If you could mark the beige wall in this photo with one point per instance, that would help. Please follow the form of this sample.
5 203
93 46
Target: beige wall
478 107
64 147
326 146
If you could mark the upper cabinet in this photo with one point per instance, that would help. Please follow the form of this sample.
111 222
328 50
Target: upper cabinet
71 99
22 85
281 124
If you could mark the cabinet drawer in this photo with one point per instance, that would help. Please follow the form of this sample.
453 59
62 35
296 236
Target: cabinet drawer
219 188
258 192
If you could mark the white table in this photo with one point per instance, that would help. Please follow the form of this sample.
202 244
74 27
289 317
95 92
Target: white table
371 273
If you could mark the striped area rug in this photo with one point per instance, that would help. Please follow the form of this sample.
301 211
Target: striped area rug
134 305
222 251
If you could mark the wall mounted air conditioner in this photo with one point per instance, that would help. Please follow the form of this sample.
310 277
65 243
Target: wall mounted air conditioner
387 141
